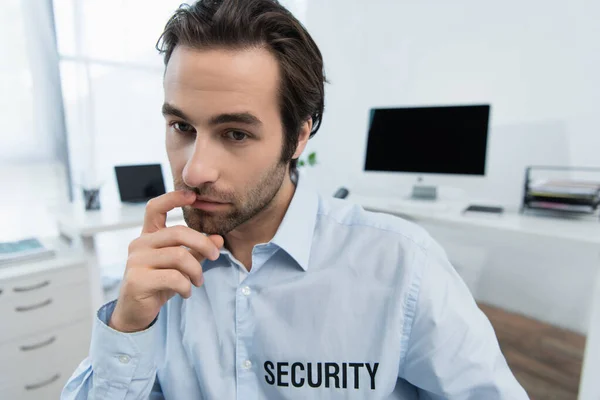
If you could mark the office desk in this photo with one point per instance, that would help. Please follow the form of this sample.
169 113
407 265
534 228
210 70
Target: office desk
450 213
81 226
542 267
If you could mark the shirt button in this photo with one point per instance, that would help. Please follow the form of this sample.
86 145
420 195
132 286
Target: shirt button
246 291
247 364
124 359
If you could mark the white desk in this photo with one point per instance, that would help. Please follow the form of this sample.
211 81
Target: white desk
544 268
80 226
75 221
450 213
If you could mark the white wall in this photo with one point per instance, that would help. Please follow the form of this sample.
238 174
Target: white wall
536 62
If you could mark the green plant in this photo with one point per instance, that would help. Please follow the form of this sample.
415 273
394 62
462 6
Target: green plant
311 160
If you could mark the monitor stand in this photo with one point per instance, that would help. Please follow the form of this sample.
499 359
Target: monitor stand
424 192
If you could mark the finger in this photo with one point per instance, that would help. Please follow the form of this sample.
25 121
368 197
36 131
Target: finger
172 280
181 236
177 258
158 207
216 239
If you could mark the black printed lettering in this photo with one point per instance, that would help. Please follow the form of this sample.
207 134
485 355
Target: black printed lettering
299 383
356 367
319 374
270 378
372 373
310 375
281 373
334 374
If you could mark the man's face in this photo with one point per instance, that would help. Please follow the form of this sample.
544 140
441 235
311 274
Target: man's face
224 133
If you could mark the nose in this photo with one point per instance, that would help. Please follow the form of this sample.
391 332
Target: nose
201 167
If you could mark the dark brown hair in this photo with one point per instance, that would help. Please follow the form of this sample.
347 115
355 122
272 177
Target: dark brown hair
238 24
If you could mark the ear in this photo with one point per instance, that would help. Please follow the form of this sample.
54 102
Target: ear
303 137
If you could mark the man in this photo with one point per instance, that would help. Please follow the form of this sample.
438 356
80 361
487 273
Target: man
271 292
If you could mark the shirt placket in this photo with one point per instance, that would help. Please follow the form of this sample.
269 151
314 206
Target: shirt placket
243 325
246 366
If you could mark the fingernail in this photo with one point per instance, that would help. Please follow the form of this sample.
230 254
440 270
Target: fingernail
201 281
216 254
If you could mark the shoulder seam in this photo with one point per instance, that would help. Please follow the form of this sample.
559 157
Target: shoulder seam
382 229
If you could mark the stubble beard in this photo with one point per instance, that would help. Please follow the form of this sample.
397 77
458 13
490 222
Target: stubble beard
243 207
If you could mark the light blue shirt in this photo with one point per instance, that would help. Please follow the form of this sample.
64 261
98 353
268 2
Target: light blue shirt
340 304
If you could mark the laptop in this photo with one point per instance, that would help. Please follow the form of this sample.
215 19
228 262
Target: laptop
139 183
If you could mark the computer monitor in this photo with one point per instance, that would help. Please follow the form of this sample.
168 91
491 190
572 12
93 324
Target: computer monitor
428 140
139 183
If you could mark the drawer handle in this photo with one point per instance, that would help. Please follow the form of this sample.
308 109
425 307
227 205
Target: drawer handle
30 288
38 345
35 306
42 384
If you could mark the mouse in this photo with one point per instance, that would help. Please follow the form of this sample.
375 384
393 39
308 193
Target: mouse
341 193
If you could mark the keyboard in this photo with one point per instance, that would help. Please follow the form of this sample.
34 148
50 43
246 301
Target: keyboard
486 209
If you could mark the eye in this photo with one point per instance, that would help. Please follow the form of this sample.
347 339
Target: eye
236 136
182 127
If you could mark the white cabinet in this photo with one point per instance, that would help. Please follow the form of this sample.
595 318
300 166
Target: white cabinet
45 323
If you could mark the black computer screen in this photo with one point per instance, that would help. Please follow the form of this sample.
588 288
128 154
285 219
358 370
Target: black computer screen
440 140
139 183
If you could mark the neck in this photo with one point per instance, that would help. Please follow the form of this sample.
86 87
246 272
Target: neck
262 227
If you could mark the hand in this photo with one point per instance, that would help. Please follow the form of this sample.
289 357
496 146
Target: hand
158 267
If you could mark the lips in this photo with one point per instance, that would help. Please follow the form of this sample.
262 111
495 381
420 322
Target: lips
209 200
208 204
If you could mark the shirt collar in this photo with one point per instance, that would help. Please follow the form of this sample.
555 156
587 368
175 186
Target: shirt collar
296 231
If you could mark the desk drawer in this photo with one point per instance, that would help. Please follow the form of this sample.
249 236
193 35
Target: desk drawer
48 388
43 309
30 361
31 284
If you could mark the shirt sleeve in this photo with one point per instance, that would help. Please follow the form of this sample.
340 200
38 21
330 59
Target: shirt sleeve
452 351
120 365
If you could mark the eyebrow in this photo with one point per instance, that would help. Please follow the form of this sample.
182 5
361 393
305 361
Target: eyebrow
168 109
243 117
